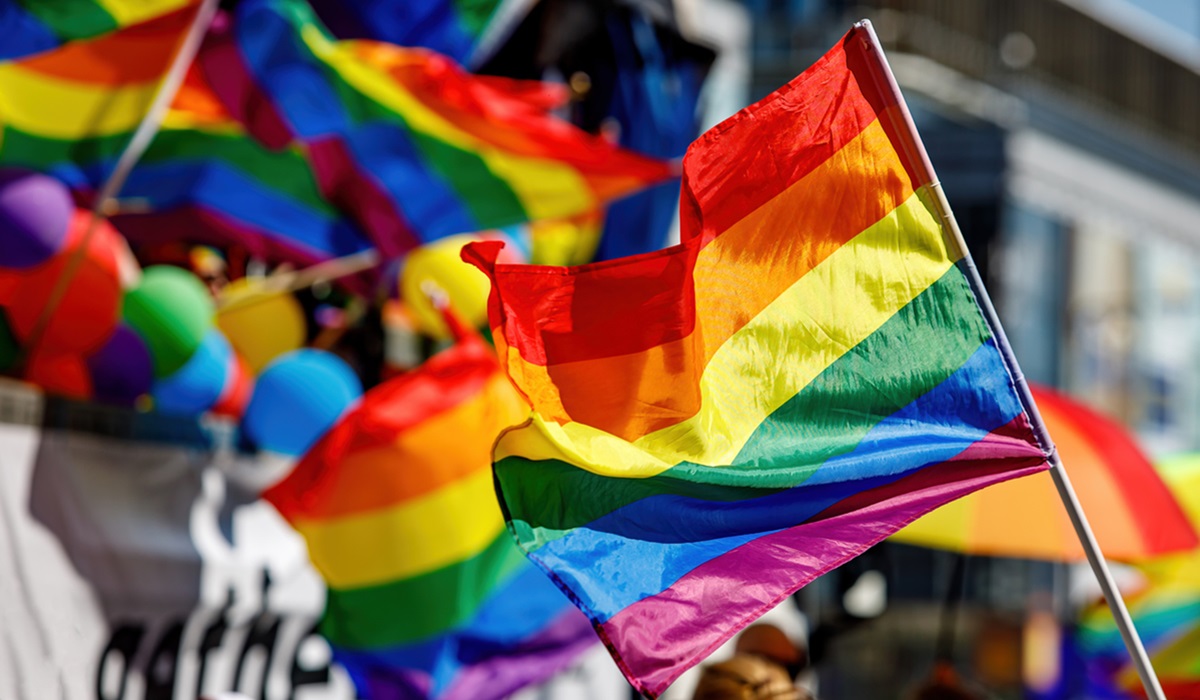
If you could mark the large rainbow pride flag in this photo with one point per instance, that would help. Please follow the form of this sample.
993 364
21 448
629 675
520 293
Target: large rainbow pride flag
428 595
717 423
33 26
381 122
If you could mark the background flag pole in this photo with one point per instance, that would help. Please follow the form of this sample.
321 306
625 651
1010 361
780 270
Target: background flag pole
905 132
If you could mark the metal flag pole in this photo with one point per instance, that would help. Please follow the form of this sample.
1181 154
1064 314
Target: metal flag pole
904 131
142 136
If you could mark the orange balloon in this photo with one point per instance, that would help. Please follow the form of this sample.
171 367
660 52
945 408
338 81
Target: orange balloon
87 313
64 375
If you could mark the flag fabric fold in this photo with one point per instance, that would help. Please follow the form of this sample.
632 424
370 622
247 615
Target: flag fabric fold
379 122
428 596
716 424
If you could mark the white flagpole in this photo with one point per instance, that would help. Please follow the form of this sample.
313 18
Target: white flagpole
915 153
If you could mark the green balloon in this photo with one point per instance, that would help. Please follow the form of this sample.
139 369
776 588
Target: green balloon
171 311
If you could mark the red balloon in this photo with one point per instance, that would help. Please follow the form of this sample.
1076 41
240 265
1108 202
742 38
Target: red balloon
64 375
87 313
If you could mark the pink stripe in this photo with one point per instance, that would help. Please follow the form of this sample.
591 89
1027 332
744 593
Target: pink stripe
229 78
676 629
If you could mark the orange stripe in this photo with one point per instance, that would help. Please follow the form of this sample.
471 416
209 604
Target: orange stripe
136 54
385 475
757 258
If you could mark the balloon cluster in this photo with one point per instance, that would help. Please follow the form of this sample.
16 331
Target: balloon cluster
68 325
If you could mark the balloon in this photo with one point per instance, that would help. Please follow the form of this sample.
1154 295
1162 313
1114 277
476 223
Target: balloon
260 325
297 398
64 375
86 314
35 211
437 267
239 384
121 370
200 382
172 312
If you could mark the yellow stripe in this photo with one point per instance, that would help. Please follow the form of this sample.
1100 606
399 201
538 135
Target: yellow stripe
824 314
127 12
49 107
447 526
547 188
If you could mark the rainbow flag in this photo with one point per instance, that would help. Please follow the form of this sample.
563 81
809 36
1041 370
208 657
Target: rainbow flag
34 26
70 112
428 595
717 423
449 27
380 122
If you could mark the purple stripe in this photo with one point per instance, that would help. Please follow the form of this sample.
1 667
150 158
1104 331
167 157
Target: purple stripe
349 189
672 631
536 659
230 79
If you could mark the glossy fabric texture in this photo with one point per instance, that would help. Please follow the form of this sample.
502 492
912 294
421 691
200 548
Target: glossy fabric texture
718 423
427 595
380 122
1133 513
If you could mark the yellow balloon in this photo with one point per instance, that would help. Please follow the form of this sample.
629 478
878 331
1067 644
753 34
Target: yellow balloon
260 325
436 268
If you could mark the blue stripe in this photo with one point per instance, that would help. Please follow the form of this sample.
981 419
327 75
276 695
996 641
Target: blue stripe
24 34
433 24
431 207
515 611
216 186
676 534
283 67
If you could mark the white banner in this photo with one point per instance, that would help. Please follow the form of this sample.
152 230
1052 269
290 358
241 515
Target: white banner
136 570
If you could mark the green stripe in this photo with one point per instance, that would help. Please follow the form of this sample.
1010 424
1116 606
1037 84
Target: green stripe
71 19
489 198
417 608
927 340
285 172
475 14
18 148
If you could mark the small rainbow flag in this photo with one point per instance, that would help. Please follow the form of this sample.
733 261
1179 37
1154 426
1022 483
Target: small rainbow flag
718 423
380 123
34 26
428 595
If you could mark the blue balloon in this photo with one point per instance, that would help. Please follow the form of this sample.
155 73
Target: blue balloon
195 387
297 399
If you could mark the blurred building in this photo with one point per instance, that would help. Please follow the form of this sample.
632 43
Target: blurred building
1067 136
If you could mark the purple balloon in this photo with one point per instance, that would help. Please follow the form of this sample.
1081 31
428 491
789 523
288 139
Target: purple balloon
35 211
121 369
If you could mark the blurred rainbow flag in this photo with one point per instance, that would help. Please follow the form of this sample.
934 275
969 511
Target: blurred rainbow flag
428 595
380 123
718 423
34 26
71 111
450 27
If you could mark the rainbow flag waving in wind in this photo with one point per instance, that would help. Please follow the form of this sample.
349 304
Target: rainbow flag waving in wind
716 424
